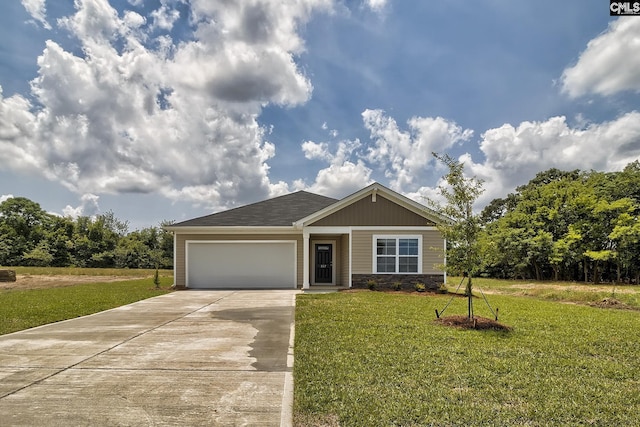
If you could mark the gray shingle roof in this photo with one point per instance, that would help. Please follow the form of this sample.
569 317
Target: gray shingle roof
279 211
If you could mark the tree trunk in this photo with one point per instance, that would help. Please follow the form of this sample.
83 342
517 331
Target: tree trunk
586 270
596 273
536 267
470 297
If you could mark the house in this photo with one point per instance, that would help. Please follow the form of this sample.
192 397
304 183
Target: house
302 240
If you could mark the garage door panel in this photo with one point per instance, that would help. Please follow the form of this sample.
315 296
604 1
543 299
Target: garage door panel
246 265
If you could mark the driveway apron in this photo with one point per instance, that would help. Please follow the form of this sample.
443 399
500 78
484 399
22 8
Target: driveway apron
185 358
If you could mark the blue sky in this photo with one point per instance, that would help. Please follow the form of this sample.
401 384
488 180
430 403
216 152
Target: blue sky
171 109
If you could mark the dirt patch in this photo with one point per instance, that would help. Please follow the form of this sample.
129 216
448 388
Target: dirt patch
478 323
612 303
28 281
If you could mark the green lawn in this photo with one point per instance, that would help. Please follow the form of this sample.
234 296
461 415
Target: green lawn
22 309
378 359
79 271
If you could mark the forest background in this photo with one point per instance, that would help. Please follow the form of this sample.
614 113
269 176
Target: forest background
562 225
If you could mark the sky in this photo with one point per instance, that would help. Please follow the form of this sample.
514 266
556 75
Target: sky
172 109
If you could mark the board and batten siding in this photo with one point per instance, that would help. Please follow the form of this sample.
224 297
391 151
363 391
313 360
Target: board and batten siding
362 251
181 239
365 212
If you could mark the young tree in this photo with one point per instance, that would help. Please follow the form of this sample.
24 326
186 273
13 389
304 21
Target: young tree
464 253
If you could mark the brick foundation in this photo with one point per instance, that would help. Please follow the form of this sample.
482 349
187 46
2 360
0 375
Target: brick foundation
408 281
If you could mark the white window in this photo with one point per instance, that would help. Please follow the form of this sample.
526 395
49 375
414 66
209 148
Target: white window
397 254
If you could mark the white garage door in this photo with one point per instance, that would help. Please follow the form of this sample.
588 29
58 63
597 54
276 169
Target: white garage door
241 265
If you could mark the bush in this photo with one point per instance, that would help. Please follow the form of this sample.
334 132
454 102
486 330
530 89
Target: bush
420 287
372 285
396 286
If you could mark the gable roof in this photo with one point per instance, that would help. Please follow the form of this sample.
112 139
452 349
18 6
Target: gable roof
372 190
275 212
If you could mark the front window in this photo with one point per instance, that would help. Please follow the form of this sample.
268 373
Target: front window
397 254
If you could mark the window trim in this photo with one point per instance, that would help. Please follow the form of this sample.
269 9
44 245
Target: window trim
374 244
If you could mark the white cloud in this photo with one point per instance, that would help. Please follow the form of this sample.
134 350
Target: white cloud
376 5
609 64
343 176
342 179
164 17
38 11
405 155
133 19
5 197
88 207
513 155
313 150
138 114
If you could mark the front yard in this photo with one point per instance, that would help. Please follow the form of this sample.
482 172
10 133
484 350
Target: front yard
372 358
46 295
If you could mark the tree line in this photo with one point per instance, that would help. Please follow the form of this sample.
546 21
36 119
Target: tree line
562 225
566 225
29 236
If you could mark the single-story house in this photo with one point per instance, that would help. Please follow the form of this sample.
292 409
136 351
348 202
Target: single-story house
302 240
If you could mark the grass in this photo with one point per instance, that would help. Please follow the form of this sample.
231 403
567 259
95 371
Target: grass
78 271
378 359
577 292
22 309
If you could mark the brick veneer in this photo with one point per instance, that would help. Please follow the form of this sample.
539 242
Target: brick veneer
384 281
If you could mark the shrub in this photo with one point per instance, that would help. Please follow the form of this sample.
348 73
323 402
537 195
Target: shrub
442 289
372 285
396 286
420 287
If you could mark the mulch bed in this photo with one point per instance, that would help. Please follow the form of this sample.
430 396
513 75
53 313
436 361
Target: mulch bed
477 323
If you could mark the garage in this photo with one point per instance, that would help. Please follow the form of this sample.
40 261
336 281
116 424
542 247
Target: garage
236 264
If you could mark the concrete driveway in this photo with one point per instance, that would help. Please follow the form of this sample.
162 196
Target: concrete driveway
187 358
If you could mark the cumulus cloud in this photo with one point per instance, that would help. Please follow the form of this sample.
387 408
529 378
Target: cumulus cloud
5 197
346 172
164 17
609 64
88 207
515 154
512 154
38 11
135 111
405 155
316 150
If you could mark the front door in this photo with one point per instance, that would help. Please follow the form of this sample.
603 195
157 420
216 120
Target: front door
324 267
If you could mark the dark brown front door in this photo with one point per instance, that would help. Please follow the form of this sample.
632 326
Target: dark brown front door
324 268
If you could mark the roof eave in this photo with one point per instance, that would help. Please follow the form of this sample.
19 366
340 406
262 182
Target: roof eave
232 229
